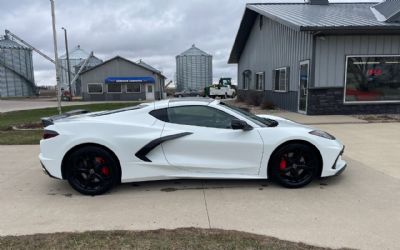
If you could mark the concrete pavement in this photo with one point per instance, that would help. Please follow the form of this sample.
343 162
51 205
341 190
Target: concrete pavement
358 209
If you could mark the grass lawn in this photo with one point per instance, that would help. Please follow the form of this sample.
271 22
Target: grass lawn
9 119
184 238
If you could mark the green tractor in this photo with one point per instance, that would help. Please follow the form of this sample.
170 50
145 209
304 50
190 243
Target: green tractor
224 89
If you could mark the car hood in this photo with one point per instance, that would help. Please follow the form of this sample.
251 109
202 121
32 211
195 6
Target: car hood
285 122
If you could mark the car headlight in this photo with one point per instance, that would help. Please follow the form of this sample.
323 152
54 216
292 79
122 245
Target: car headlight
322 134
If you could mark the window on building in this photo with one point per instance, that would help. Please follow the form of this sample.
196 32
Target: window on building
202 116
150 88
114 88
95 88
372 79
246 79
281 79
133 88
260 81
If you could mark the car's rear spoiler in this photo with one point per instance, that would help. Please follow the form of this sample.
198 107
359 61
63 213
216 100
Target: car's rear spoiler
47 121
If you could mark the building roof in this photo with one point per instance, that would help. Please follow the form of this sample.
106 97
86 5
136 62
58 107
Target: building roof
194 51
306 17
6 42
76 53
93 61
334 18
124 59
148 66
387 11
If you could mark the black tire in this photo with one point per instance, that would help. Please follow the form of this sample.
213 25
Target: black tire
294 165
92 170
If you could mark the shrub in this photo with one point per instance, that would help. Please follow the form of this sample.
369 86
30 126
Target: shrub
266 104
254 98
241 96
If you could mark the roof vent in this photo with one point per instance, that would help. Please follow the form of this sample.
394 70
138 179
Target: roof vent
318 2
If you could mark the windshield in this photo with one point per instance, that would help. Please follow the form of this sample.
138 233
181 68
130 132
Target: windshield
260 121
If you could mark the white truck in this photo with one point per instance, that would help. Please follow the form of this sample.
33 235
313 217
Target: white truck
223 89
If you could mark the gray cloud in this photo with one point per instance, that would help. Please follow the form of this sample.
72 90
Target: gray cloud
153 30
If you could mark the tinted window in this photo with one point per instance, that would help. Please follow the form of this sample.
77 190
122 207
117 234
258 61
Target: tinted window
114 88
133 88
262 122
374 78
95 88
202 116
160 114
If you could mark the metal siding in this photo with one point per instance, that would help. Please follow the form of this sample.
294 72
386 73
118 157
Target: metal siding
193 69
334 15
273 47
19 59
117 67
331 52
389 9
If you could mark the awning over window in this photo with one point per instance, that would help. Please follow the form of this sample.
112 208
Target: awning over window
144 79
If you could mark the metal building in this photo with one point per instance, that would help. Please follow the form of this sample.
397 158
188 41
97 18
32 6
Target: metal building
193 69
16 69
92 62
119 79
320 57
76 56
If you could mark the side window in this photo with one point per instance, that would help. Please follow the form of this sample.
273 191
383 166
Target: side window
202 116
246 79
160 114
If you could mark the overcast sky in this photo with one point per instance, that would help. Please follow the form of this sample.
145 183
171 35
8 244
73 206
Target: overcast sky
152 30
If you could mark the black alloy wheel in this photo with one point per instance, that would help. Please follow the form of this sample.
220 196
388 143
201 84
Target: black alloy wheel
294 165
92 170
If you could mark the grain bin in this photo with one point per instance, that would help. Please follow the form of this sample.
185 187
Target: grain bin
193 69
16 69
76 56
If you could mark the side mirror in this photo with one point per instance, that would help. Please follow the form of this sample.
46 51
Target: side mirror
239 124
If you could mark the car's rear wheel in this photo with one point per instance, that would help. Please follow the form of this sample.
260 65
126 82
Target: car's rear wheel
92 170
294 165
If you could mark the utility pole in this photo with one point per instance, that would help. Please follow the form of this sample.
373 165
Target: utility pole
68 66
53 18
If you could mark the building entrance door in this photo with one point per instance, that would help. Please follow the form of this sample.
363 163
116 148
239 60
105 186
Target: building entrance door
149 91
304 74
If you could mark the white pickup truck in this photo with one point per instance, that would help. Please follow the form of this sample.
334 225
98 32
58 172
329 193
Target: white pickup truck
222 91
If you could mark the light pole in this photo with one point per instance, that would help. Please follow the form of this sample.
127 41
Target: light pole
68 66
53 19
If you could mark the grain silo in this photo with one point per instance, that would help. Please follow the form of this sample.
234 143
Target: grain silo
16 69
76 56
193 69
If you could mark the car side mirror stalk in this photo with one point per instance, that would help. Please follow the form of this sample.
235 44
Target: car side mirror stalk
240 124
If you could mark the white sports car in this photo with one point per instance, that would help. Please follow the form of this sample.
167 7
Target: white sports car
183 138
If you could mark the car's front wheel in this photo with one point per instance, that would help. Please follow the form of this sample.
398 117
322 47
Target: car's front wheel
294 165
92 170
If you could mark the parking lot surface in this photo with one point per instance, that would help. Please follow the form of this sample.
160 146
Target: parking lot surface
359 209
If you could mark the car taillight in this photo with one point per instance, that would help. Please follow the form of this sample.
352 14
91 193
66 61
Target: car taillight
47 134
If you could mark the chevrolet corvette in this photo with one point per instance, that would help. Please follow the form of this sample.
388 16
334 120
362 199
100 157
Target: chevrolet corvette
183 138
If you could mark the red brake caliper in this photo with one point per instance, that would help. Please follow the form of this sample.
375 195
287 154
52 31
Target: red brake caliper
104 170
282 164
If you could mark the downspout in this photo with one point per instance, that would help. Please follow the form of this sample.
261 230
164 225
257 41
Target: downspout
312 69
